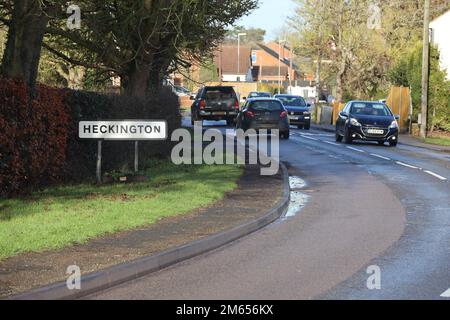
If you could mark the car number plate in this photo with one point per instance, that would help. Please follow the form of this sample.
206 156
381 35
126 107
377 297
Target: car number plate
219 113
375 131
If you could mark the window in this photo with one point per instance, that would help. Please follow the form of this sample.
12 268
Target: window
370 109
292 101
266 106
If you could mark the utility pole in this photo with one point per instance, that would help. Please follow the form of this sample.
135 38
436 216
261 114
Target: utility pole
279 64
239 53
319 57
425 70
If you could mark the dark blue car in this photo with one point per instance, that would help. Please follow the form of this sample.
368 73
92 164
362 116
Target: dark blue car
367 121
299 111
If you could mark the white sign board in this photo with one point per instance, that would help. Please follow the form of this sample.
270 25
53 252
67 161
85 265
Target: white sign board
128 130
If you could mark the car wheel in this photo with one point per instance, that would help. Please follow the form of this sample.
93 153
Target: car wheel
230 122
347 138
381 143
300 127
339 137
393 143
307 127
285 135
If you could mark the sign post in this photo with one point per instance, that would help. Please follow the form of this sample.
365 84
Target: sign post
127 130
136 156
99 162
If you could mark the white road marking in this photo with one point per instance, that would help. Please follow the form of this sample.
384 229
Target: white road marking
329 142
380 156
435 175
355 149
309 138
446 294
406 165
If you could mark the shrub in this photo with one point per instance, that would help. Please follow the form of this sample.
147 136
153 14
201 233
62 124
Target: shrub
116 154
33 137
39 142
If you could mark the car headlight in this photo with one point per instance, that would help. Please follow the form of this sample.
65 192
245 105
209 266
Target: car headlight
394 125
355 122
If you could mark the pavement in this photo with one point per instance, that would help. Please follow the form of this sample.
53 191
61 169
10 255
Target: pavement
252 199
364 205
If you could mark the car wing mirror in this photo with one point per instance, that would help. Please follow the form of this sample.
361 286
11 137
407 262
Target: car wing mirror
343 114
397 117
192 97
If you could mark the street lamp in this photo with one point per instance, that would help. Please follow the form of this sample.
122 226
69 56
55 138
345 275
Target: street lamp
279 64
239 52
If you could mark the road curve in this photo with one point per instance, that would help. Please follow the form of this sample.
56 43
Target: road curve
368 205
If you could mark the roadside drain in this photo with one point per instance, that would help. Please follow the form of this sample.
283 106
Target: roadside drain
298 199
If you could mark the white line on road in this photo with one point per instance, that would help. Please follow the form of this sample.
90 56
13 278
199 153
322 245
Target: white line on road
355 149
436 176
380 156
406 165
329 142
446 294
309 138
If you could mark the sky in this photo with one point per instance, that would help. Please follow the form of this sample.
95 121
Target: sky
270 16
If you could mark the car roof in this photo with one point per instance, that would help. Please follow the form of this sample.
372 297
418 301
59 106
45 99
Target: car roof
288 95
263 99
214 87
366 101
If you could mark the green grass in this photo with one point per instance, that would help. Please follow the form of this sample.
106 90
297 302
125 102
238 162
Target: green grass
58 217
441 141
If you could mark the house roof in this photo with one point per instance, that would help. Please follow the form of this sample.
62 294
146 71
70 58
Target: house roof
276 56
226 58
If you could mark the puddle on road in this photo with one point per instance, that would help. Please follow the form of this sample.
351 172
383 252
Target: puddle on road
298 199
296 183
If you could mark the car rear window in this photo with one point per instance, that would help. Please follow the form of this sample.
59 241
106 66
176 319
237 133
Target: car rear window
370 109
219 93
266 106
259 95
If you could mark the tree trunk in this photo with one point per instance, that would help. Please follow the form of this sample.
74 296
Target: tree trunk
340 81
137 80
25 36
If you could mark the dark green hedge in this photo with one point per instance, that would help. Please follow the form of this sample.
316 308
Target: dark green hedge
39 144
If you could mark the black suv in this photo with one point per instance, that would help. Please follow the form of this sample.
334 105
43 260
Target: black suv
215 103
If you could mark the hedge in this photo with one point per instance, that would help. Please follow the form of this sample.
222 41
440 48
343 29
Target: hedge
39 143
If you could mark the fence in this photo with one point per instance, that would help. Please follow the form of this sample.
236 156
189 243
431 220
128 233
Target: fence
399 101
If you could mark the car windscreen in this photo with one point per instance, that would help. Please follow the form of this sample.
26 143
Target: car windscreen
370 109
266 106
293 101
219 94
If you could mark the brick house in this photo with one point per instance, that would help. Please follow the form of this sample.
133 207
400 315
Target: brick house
226 61
265 64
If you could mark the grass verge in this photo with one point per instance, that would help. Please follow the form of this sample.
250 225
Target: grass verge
62 216
440 141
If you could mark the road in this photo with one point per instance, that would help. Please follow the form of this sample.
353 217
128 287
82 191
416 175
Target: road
362 205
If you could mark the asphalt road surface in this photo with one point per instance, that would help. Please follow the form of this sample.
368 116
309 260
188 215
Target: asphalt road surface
363 205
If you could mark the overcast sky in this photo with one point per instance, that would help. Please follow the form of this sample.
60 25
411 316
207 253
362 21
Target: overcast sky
270 16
